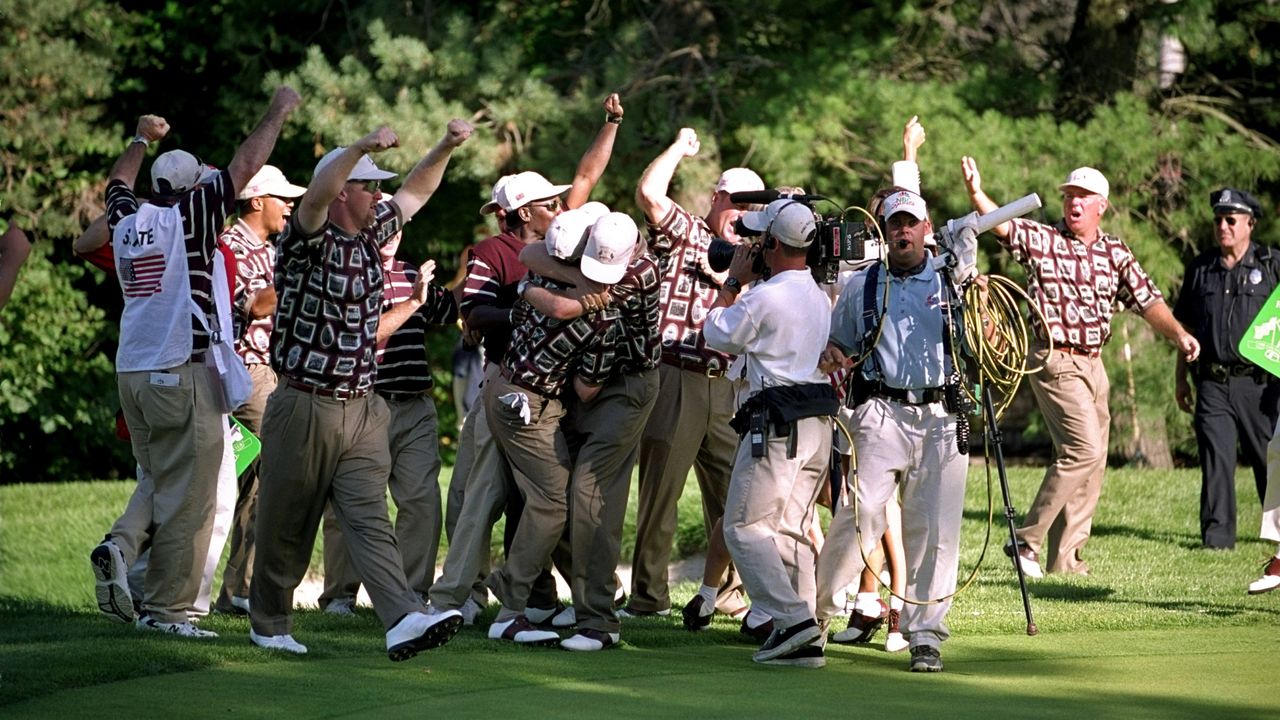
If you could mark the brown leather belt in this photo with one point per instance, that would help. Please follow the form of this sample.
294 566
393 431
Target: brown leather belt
338 394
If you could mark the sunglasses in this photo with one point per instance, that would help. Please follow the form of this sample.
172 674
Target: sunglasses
1230 220
370 186
553 205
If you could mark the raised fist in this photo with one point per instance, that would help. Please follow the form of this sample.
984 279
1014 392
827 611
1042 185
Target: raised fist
457 132
912 137
286 99
687 142
384 138
152 127
613 105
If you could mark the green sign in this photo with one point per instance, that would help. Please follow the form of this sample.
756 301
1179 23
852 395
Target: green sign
1261 342
246 444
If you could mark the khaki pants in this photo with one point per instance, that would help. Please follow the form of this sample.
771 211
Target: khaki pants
482 486
318 450
1072 392
239 570
415 488
610 426
177 433
688 427
540 464
915 446
767 516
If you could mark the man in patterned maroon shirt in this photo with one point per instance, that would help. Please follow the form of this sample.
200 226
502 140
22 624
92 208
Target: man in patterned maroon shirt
324 433
410 303
1075 273
689 425
263 207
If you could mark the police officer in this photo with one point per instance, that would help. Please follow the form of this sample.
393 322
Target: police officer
899 321
1225 288
785 423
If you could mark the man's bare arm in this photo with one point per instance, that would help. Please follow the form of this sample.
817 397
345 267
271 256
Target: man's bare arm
256 148
596 158
424 179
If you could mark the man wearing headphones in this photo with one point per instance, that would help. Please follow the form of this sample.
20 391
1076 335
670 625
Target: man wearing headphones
898 319
784 425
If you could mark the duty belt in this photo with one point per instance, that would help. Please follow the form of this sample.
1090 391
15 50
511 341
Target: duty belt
1219 372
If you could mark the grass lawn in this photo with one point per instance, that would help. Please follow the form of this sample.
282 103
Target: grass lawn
1161 629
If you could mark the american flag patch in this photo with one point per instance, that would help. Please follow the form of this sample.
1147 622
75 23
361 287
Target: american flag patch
140 276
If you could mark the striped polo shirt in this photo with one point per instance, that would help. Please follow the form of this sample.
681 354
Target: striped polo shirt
402 357
493 272
255 270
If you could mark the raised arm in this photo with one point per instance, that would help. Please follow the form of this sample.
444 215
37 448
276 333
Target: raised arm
651 193
596 158
423 180
14 249
981 203
254 151
313 208
151 128
93 237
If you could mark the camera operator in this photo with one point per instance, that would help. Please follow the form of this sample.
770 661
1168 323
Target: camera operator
902 430
786 423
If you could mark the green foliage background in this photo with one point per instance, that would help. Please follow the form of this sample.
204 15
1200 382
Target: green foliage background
811 94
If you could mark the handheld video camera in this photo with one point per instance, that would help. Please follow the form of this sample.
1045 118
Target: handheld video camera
835 239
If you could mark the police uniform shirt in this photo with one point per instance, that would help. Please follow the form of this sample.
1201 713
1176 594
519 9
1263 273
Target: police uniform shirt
778 325
1217 304
911 353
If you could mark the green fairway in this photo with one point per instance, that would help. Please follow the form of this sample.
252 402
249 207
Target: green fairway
1161 629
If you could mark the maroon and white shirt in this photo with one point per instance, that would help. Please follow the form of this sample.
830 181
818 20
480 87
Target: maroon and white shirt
402 357
255 270
637 296
329 299
494 271
680 242
545 352
1075 285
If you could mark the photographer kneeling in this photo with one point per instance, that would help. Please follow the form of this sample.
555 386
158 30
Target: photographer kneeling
785 425
903 430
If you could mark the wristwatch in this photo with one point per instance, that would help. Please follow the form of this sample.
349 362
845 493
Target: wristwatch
733 284
139 139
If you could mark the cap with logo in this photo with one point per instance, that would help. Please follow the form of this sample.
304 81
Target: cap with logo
905 201
609 248
1089 180
739 179
524 188
1229 200
567 235
791 222
177 171
492 206
365 169
270 181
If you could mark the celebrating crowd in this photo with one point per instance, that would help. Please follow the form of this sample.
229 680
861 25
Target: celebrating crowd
606 344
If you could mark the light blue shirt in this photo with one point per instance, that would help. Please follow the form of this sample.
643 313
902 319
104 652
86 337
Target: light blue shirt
911 352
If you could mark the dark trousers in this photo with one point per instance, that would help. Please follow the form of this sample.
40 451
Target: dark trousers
1240 410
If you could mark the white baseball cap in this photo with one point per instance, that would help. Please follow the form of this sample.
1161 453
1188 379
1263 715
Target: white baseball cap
524 188
492 206
176 172
791 222
365 169
739 179
567 235
905 201
270 181
1089 180
608 251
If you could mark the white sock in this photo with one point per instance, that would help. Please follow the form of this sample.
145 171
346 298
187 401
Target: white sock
756 618
868 603
708 594
895 603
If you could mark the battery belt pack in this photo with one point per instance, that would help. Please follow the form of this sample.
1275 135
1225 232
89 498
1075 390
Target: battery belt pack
780 408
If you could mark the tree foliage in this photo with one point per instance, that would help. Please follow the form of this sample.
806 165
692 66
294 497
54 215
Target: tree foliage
812 94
